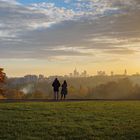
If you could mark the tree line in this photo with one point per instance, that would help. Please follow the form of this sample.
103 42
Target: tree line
78 88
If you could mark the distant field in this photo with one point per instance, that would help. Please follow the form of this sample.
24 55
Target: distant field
106 120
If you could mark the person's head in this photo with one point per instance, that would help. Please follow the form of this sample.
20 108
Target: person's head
56 79
65 82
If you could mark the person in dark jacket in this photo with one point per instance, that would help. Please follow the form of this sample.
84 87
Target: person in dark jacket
56 85
64 90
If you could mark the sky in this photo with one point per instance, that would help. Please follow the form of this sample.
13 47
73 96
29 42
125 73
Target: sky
53 37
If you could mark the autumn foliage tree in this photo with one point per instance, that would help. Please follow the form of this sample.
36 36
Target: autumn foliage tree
121 89
2 75
2 80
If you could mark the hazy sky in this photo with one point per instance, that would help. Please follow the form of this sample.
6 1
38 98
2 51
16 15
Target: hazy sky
55 36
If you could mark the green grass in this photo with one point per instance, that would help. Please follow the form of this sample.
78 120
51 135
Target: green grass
70 121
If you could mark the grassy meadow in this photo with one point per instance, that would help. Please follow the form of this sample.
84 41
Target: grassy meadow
98 120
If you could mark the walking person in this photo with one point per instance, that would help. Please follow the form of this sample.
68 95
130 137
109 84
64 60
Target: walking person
56 85
64 90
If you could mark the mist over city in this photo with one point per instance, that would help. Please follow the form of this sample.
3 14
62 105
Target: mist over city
80 86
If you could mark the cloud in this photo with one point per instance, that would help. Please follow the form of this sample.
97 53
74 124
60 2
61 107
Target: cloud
19 18
67 1
121 51
10 2
43 30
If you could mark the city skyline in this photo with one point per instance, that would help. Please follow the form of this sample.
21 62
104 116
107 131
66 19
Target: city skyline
52 37
76 73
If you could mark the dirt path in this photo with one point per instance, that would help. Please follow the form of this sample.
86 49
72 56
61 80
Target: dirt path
67 100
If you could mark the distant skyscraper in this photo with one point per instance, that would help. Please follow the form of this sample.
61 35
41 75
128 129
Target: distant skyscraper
41 77
84 73
101 73
75 73
31 78
125 72
112 73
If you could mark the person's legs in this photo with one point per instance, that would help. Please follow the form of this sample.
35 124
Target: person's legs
54 95
61 96
64 96
57 95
